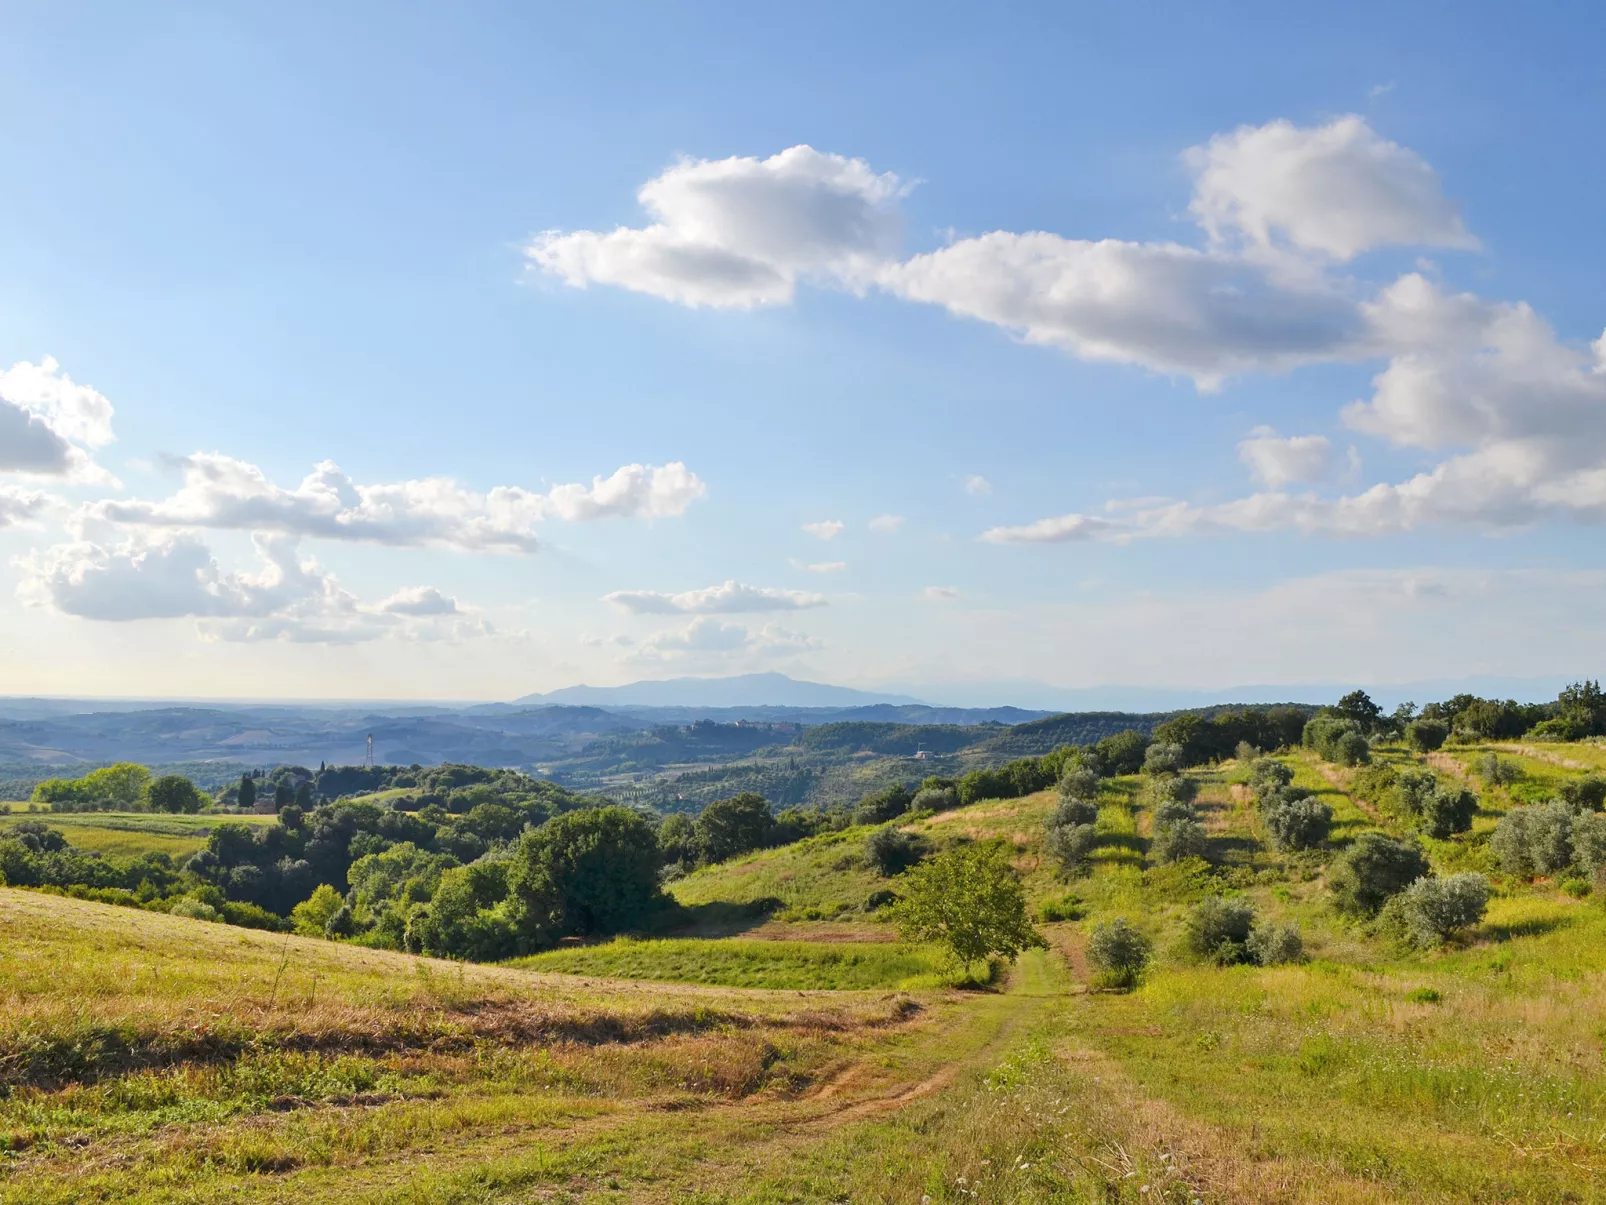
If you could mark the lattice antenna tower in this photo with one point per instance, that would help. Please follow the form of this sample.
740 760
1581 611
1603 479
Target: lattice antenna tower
368 757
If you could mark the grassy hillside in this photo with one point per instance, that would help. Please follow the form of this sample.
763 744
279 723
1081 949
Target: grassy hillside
156 1058
129 834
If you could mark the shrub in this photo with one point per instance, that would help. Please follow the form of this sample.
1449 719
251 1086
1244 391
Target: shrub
1074 811
1174 842
1122 753
1268 772
1163 758
1218 929
1069 845
1119 953
1067 907
1178 787
728 828
892 851
935 799
311 916
1298 823
1322 733
1079 781
883 805
1273 944
1426 735
1534 840
1372 869
1172 811
1585 794
1589 842
1245 752
1447 810
585 872
1430 910
1352 749
191 907
1497 773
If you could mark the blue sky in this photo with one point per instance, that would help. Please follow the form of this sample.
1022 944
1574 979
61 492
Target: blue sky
1037 291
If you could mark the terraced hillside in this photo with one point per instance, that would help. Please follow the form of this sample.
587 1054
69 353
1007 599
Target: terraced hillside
149 1057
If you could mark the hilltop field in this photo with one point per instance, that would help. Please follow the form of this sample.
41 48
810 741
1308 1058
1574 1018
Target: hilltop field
785 1047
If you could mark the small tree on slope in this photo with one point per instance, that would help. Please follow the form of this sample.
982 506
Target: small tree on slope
970 901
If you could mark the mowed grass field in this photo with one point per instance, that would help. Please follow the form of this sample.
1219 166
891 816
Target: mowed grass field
155 1058
129 834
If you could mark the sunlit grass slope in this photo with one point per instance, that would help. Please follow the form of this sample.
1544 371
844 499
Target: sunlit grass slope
737 963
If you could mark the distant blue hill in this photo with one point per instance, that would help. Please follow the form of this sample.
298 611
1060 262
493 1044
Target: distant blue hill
742 690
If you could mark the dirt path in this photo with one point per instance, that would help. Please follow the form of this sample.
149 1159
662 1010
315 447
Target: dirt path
1545 755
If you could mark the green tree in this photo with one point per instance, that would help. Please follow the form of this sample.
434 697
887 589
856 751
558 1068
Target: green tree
1371 870
311 916
1358 706
583 873
175 793
968 900
730 827
1426 735
248 792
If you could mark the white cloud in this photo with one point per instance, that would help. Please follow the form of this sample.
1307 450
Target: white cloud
47 420
222 492
825 529
819 566
886 525
978 486
1337 189
19 506
1060 530
1276 460
712 637
420 600
740 232
729 598
1204 314
940 593
175 576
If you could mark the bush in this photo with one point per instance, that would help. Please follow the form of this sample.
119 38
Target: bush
191 907
1297 824
1268 772
1079 782
1073 811
1534 840
1371 870
311 916
586 872
1218 929
1179 788
1436 808
1322 734
1119 953
1174 842
1067 907
1430 910
935 799
1069 845
1172 811
1352 749
728 828
1589 842
1427 735
1585 794
891 851
883 805
1497 773
1163 758
1273 944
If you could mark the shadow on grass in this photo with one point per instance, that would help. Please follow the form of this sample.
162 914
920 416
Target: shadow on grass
720 918
1533 927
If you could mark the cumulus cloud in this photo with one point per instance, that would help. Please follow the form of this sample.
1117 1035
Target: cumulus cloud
222 492
170 576
19 506
819 566
48 420
420 600
1277 460
886 525
825 529
740 232
729 598
712 637
978 486
1337 189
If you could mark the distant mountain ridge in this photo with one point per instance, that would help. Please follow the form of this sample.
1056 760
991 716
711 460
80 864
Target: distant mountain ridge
740 690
